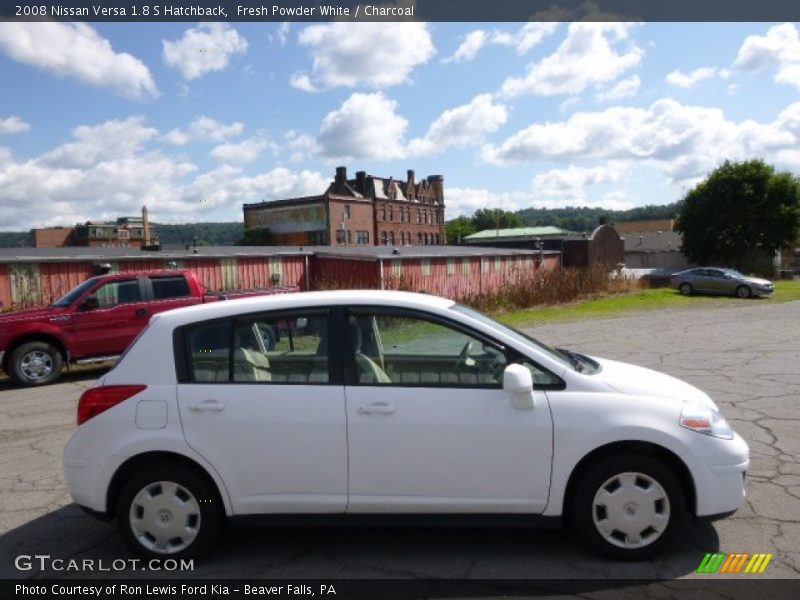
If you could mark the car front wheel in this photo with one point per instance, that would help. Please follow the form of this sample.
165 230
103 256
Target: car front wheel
35 363
686 289
628 507
169 512
743 291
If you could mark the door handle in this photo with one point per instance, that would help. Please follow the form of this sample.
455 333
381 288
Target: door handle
141 312
380 408
207 405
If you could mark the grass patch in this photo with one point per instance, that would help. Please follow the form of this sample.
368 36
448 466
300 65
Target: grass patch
606 306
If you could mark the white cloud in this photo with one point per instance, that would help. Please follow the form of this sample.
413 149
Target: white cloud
204 129
469 47
302 81
366 126
240 152
462 126
689 80
116 139
76 50
780 47
465 201
683 141
108 170
282 35
569 185
623 89
589 56
13 125
374 54
527 37
203 49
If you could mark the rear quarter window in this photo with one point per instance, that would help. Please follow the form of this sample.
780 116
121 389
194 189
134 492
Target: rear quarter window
170 287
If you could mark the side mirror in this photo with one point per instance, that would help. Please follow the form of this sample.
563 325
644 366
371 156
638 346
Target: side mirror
91 303
518 382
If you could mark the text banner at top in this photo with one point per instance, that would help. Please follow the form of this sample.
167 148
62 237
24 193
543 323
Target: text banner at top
403 10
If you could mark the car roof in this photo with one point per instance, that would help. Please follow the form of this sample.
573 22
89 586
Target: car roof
227 308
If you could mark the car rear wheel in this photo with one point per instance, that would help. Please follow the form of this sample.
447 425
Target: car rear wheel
686 289
35 363
743 291
628 507
169 512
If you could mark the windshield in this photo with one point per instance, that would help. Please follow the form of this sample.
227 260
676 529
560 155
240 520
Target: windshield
74 293
516 334
734 272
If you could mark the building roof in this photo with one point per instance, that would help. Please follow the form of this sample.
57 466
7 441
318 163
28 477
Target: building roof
98 253
411 252
519 232
653 241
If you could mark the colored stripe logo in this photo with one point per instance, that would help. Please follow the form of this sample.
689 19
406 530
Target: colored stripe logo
738 562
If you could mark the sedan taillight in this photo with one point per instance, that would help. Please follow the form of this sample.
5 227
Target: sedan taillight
99 399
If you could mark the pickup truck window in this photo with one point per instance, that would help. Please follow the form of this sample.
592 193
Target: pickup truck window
74 294
174 286
112 293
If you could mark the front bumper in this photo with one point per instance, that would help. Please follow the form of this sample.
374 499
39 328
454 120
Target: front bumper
720 485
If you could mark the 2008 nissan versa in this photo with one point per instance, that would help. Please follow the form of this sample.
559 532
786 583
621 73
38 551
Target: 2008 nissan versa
352 404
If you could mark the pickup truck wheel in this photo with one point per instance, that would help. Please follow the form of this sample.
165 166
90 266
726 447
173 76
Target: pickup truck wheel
169 512
35 363
628 507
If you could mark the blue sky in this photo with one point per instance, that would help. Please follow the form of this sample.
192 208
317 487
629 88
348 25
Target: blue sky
194 120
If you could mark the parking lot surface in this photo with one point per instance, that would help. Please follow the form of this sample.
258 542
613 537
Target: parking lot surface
745 356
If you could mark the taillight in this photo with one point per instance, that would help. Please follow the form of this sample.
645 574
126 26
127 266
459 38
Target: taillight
99 399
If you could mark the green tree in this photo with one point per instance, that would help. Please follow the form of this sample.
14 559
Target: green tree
256 237
741 208
492 218
457 229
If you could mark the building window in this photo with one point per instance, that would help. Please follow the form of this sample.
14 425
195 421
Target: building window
419 239
465 266
419 218
451 266
391 214
384 238
346 211
397 268
362 238
343 237
391 238
383 212
426 267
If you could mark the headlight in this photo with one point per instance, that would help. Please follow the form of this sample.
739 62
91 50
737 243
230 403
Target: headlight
705 420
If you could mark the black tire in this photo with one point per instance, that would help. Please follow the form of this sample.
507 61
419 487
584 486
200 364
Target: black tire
209 522
743 292
686 289
35 363
604 474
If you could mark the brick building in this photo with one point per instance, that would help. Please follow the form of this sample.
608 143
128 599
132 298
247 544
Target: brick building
365 211
125 232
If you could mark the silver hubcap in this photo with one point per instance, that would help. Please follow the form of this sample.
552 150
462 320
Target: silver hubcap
36 365
165 517
743 292
631 510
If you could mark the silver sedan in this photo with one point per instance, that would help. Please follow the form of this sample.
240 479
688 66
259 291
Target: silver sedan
710 280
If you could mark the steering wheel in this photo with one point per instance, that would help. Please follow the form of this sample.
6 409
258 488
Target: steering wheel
461 361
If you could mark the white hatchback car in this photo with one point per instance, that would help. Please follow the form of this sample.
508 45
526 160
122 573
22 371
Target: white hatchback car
362 403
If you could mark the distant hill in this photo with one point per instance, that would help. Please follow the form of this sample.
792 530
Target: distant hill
586 219
207 234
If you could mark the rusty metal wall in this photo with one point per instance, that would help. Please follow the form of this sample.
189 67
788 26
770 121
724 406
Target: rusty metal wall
278 270
335 273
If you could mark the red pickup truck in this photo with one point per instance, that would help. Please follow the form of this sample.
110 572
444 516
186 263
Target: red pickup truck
96 321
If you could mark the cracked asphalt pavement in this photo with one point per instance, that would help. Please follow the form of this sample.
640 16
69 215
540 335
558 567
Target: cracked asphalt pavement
745 355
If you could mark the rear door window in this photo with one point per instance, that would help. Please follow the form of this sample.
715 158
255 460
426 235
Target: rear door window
174 286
